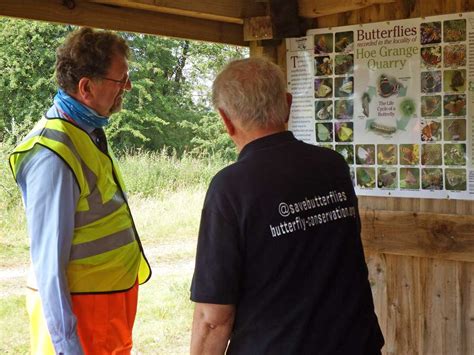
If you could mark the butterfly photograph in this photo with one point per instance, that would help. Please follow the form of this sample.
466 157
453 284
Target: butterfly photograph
430 130
454 105
431 154
410 178
455 179
409 154
365 154
365 177
387 154
387 178
432 179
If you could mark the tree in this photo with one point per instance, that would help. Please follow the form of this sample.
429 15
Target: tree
205 61
27 55
159 100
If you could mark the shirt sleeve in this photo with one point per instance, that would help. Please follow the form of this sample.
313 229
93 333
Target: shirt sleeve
218 266
50 194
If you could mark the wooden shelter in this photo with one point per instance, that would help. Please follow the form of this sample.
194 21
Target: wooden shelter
420 252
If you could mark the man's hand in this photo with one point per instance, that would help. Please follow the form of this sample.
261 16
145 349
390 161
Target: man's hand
212 325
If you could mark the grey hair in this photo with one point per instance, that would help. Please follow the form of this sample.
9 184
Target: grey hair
253 91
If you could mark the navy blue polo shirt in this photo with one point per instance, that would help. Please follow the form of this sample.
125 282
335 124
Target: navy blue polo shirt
280 239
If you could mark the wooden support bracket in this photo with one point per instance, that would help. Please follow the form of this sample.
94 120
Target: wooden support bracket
258 28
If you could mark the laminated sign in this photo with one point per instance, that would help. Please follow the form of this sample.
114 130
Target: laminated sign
395 99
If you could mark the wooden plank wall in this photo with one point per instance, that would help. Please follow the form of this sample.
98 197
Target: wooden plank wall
425 305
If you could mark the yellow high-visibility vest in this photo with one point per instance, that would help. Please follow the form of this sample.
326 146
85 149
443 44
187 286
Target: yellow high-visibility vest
106 253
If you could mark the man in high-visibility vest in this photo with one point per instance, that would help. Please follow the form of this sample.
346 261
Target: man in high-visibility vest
87 259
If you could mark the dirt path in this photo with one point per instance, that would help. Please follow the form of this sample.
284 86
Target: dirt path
13 281
164 259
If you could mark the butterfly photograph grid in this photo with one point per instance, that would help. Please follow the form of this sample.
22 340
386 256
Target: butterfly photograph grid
437 161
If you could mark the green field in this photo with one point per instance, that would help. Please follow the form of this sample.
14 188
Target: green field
166 195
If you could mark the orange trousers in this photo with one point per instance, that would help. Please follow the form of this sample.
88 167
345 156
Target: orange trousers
104 322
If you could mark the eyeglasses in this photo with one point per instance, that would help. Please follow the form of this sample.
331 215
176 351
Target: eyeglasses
122 82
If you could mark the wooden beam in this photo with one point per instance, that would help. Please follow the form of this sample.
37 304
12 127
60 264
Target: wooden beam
85 13
318 8
232 11
262 49
286 22
432 235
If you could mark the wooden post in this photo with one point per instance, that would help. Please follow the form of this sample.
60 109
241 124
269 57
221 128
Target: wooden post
259 49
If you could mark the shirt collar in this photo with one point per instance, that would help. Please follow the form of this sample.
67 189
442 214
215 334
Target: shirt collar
266 142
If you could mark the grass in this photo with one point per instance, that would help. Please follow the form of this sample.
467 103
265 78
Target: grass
168 228
164 316
13 325
13 244
166 195
156 174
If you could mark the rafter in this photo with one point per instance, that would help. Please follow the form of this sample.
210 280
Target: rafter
232 11
124 19
318 8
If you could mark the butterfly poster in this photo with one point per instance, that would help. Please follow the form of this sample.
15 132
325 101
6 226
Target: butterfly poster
395 99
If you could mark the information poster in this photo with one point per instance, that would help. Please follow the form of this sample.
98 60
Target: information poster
395 99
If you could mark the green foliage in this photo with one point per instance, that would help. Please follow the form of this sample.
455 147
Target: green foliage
159 99
205 61
13 237
168 106
210 138
156 174
27 55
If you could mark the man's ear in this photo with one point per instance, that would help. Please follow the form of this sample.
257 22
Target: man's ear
229 125
289 100
84 89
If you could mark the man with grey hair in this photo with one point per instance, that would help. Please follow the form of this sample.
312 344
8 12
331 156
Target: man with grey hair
280 267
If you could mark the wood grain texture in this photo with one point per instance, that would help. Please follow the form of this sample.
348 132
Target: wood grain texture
444 236
418 205
441 307
224 10
318 8
424 305
467 307
394 10
124 19
376 264
403 304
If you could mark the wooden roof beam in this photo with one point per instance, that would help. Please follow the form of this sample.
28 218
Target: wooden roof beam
85 13
318 8
232 11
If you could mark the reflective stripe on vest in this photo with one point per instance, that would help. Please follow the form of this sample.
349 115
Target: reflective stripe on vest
106 254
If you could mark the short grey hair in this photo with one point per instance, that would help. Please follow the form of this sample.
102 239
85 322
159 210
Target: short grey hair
252 90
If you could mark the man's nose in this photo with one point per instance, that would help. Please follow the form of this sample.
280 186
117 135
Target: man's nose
128 85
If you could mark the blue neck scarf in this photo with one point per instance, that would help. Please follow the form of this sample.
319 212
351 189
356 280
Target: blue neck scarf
78 111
